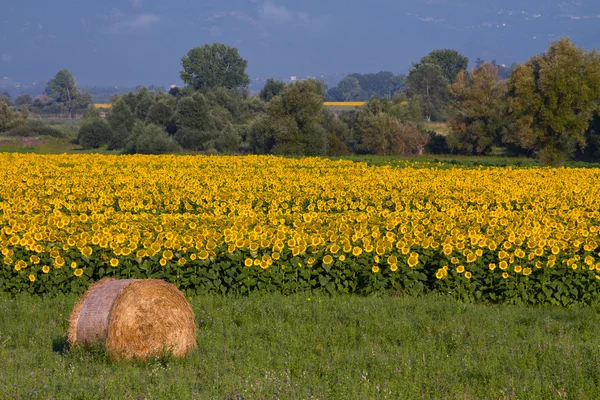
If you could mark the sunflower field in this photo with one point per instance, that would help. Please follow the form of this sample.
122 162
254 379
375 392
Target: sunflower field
240 224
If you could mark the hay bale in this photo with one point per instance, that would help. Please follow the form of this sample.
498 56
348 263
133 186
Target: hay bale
135 318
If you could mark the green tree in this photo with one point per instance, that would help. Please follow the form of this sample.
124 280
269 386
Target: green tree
94 133
195 125
162 113
8 118
91 113
381 84
388 127
121 120
451 62
349 88
5 98
385 135
553 98
63 90
292 124
150 139
214 65
24 99
272 88
426 82
478 119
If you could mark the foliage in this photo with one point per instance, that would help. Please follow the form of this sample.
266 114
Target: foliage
479 114
451 62
427 84
349 88
24 99
272 88
150 139
292 124
63 91
386 135
162 113
5 98
94 133
8 118
268 224
213 66
34 128
121 120
393 131
381 84
437 144
591 152
553 98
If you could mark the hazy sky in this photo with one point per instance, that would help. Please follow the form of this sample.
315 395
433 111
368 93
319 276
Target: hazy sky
130 42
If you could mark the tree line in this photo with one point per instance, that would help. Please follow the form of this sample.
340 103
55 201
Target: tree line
546 107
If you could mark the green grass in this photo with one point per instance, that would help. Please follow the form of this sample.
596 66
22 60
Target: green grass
325 348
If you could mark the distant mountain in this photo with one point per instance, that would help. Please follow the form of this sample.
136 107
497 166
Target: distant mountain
130 42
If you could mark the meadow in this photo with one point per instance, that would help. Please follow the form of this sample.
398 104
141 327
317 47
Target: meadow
319 347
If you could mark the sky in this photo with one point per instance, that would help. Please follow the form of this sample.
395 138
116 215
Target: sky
134 42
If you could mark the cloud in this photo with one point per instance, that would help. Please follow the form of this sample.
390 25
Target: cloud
431 19
241 16
139 22
281 15
136 3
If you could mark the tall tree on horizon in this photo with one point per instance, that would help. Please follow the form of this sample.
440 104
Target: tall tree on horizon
213 66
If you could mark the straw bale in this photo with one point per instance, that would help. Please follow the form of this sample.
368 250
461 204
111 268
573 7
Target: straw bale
134 318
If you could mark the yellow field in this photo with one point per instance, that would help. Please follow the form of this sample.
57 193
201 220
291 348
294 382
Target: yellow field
343 220
326 104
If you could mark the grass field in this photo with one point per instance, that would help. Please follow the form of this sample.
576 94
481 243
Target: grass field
263 347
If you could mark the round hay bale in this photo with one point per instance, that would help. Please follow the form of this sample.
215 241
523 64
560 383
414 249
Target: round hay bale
135 318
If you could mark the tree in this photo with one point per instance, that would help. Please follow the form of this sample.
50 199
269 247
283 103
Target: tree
162 113
214 65
5 98
272 88
553 98
478 119
195 125
24 99
292 124
451 62
386 135
388 128
94 133
91 113
63 90
426 81
591 151
349 88
150 139
8 118
381 84
121 120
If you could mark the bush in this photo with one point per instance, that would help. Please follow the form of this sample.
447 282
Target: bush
94 133
437 144
193 139
151 139
35 128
